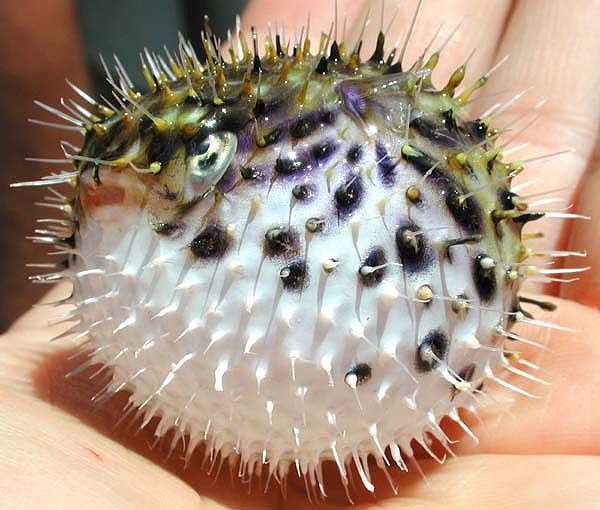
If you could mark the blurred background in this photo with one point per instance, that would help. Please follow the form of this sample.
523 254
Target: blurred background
41 44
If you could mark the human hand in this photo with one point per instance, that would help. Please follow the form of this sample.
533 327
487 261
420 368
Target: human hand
62 449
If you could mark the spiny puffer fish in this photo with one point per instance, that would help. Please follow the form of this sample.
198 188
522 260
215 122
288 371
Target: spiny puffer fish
292 258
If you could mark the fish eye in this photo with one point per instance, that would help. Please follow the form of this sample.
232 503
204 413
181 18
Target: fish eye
210 158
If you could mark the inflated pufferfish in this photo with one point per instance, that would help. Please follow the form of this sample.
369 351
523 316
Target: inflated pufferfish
295 257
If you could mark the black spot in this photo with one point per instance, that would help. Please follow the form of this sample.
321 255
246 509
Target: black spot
449 121
466 211
354 154
161 148
362 372
287 166
273 136
432 131
370 272
327 117
505 197
303 192
251 173
211 243
477 130
303 127
385 164
432 350
484 278
348 195
323 150
281 241
413 249
294 275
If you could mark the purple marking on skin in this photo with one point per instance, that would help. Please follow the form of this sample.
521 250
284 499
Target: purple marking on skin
353 98
246 141
228 180
386 165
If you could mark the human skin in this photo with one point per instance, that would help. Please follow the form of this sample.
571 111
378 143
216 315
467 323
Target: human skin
61 450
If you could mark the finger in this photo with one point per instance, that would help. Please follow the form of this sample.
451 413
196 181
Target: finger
292 16
39 47
584 236
485 482
563 418
433 14
553 48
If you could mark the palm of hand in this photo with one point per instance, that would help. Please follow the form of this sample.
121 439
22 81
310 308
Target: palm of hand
533 453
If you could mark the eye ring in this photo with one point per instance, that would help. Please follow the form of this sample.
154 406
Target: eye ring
211 159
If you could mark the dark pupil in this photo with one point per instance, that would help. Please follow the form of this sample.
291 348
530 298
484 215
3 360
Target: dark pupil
201 148
206 162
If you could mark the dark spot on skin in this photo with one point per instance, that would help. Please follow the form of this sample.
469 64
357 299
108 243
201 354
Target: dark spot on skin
385 165
354 154
211 243
281 241
449 121
349 195
287 166
303 192
323 150
370 272
251 173
161 148
485 279
413 249
303 127
327 117
434 133
477 130
431 350
505 197
231 119
259 107
273 136
294 275
466 211
362 372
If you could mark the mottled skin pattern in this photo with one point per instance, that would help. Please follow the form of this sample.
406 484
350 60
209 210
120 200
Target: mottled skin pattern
296 258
